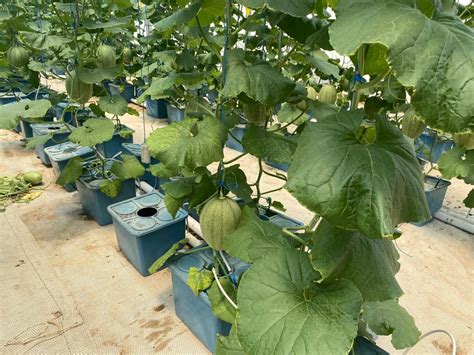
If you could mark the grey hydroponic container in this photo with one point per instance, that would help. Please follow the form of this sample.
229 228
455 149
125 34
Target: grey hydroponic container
95 202
60 134
145 229
60 154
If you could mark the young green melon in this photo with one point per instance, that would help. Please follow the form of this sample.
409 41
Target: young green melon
219 217
127 55
33 177
77 90
18 57
106 56
412 125
328 94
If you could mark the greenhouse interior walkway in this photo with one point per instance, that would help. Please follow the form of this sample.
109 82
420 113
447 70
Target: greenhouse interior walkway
66 288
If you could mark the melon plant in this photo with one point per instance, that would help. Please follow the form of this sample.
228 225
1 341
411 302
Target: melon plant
77 90
219 217
18 56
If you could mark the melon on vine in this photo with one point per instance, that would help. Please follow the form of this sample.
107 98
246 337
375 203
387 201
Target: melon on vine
412 124
328 94
219 217
77 90
127 55
18 56
312 93
106 56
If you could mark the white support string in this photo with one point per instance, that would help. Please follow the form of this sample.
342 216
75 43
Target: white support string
222 289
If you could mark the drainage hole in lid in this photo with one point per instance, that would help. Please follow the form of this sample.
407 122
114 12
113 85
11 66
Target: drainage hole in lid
147 212
53 128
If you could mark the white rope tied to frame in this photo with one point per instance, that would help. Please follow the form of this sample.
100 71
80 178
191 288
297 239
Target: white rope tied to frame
219 285
453 341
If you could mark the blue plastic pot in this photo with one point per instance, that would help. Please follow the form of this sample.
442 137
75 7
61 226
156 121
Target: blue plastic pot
26 129
435 191
174 114
135 149
95 203
7 99
61 134
195 311
127 93
110 148
238 131
156 108
81 114
430 141
60 154
145 230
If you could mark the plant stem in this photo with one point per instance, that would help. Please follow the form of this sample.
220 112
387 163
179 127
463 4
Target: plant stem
236 158
204 37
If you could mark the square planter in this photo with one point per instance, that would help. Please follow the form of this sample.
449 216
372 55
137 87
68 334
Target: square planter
61 134
429 141
195 311
60 154
95 203
435 191
136 150
145 230
127 93
174 114
110 148
26 129
81 114
156 108
238 131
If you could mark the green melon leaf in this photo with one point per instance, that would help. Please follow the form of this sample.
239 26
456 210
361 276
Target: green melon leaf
230 344
199 280
95 76
283 310
115 22
221 307
254 238
11 114
166 256
388 317
371 187
114 104
160 86
323 65
129 168
172 204
43 41
457 162
236 181
111 188
289 113
94 131
267 145
180 17
71 172
258 80
469 200
435 56
371 264
38 140
177 147
297 8
162 171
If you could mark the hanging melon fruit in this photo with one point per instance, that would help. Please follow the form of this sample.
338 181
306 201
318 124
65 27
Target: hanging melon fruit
77 90
18 56
219 217
106 56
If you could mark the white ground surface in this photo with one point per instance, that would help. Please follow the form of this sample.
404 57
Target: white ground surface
66 288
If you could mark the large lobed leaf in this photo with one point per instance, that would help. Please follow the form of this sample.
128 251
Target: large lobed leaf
433 55
284 311
11 114
94 131
190 143
371 264
388 317
298 8
258 80
129 168
371 187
